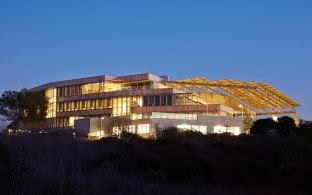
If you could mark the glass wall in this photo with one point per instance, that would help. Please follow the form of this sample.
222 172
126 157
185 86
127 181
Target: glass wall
51 96
84 105
227 129
121 106
185 127
111 86
100 87
185 99
137 101
143 128
157 100
174 116
93 88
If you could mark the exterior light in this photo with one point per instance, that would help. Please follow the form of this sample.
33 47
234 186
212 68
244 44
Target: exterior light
241 106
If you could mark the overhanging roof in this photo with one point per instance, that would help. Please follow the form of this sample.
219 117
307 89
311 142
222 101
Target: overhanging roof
260 97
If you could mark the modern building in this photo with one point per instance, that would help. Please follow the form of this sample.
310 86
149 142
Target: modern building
151 102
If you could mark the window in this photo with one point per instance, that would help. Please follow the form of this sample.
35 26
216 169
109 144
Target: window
226 129
151 100
169 100
121 106
88 104
144 128
145 101
131 128
163 100
202 129
92 88
157 100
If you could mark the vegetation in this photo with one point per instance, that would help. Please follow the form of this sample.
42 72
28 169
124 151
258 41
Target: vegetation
284 127
263 126
117 126
25 105
177 162
248 122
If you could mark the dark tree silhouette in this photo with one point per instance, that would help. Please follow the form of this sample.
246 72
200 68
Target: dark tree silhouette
25 105
286 126
263 126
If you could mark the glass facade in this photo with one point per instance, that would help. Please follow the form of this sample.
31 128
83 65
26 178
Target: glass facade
202 129
157 100
227 129
143 128
84 105
51 96
174 116
100 87
78 99
121 106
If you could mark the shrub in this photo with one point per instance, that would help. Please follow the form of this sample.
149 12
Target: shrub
286 126
169 132
304 130
263 126
127 136
5 168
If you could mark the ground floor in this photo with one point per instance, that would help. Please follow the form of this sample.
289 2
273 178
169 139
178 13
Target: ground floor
147 127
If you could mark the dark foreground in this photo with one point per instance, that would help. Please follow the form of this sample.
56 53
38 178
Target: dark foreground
189 163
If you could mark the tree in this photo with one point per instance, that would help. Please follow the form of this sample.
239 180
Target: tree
286 126
169 132
248 122
305 128
2 124
263 126
35 106
117 126
11 105
25 105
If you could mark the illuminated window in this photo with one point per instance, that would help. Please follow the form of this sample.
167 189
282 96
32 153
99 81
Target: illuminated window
121 106
51 96
131 129
184 127
92 88
109 86
202 129
144 128
227 129
135 116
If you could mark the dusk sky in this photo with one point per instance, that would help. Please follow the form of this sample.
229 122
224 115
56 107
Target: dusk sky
265 41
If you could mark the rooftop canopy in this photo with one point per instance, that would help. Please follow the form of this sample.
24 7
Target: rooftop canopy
262 98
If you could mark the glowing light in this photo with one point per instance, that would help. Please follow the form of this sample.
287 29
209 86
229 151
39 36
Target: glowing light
226 129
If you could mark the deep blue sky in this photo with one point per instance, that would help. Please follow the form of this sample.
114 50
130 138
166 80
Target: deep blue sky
266 41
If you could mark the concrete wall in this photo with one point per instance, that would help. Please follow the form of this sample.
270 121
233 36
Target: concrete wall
82 126
88 125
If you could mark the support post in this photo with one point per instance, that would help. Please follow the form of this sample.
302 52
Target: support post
296 118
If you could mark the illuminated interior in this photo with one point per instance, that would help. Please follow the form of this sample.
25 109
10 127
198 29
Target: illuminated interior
227 129
51 96
146 97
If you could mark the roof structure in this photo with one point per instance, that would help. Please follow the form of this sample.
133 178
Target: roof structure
262 98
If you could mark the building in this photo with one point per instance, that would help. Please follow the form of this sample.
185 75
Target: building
148 102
